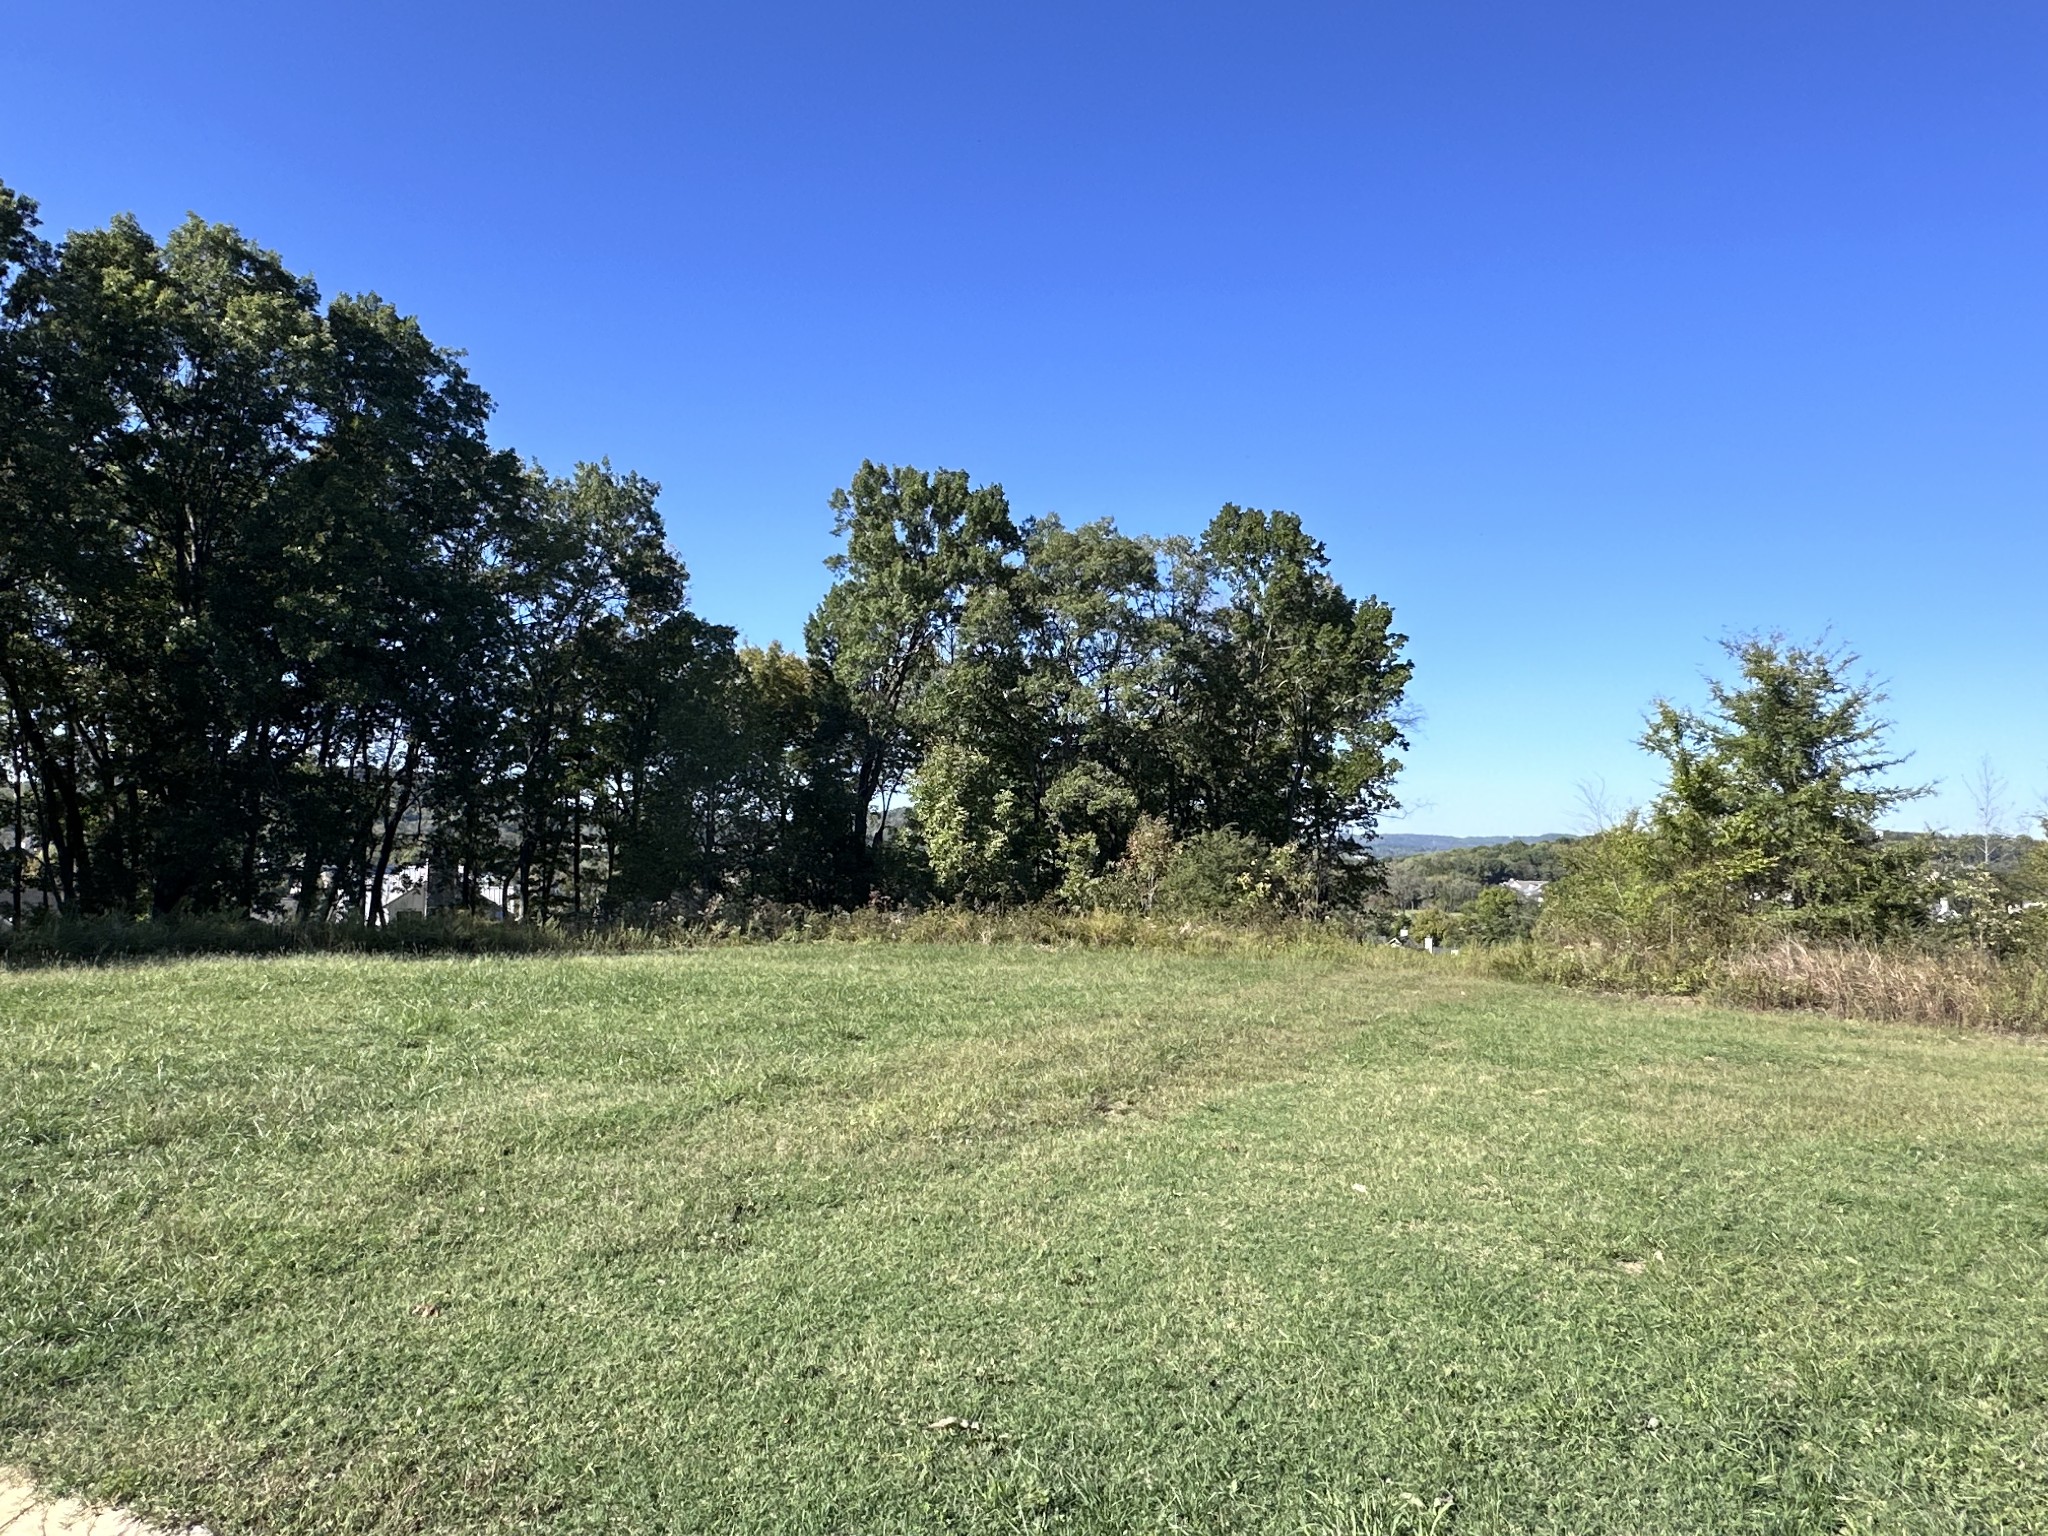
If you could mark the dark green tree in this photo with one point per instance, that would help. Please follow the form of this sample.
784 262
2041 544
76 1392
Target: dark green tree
604 658
918 548
1039 725
276 617
1286 692
1775 792
790 808
256 566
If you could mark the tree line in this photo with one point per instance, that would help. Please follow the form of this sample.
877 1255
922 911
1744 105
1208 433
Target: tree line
276 615
1766 831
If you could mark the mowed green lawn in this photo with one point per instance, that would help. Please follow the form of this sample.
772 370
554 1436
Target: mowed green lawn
709 1241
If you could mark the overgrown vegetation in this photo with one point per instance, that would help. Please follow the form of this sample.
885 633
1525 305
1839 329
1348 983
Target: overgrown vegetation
1043 924
1759 875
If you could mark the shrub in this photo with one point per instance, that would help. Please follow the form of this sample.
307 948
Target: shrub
1620 892
1228 874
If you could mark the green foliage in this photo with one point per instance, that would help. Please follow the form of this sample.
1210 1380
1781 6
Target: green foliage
246 543
1621 888
605 675
1766 827
1434 927
1227 687
1211 875
1042 689
2028 885
1988 893
919 548
1132 883
1093 813
1498 916
1216 873
1489 864
968 816
1289 690
279 619
1770 811
1453 877
278 616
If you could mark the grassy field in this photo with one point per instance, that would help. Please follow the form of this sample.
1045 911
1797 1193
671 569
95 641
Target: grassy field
711 1241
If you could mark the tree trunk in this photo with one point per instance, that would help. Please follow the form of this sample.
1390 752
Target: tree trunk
19 865
399 805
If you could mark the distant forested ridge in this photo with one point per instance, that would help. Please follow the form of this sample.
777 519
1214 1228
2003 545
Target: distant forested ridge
278 619
1401 845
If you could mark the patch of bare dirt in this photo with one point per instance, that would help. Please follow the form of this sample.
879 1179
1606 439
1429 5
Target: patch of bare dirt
25 1512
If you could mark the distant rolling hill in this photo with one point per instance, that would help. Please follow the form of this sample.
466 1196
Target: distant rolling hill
1398 845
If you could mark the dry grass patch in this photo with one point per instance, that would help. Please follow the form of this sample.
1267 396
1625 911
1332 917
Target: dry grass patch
1950 986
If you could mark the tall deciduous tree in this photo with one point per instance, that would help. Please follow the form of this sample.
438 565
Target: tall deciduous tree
1288 691
918 547
1229 685
1042 724
262 574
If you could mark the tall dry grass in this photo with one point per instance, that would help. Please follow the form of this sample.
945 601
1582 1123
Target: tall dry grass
109 939
1938 986
1935 984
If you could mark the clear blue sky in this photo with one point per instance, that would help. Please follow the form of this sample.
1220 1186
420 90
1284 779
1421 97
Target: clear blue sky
1584 334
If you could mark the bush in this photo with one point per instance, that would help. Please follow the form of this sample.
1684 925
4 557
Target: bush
1212 875
1618 892
1433 925
1218 874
